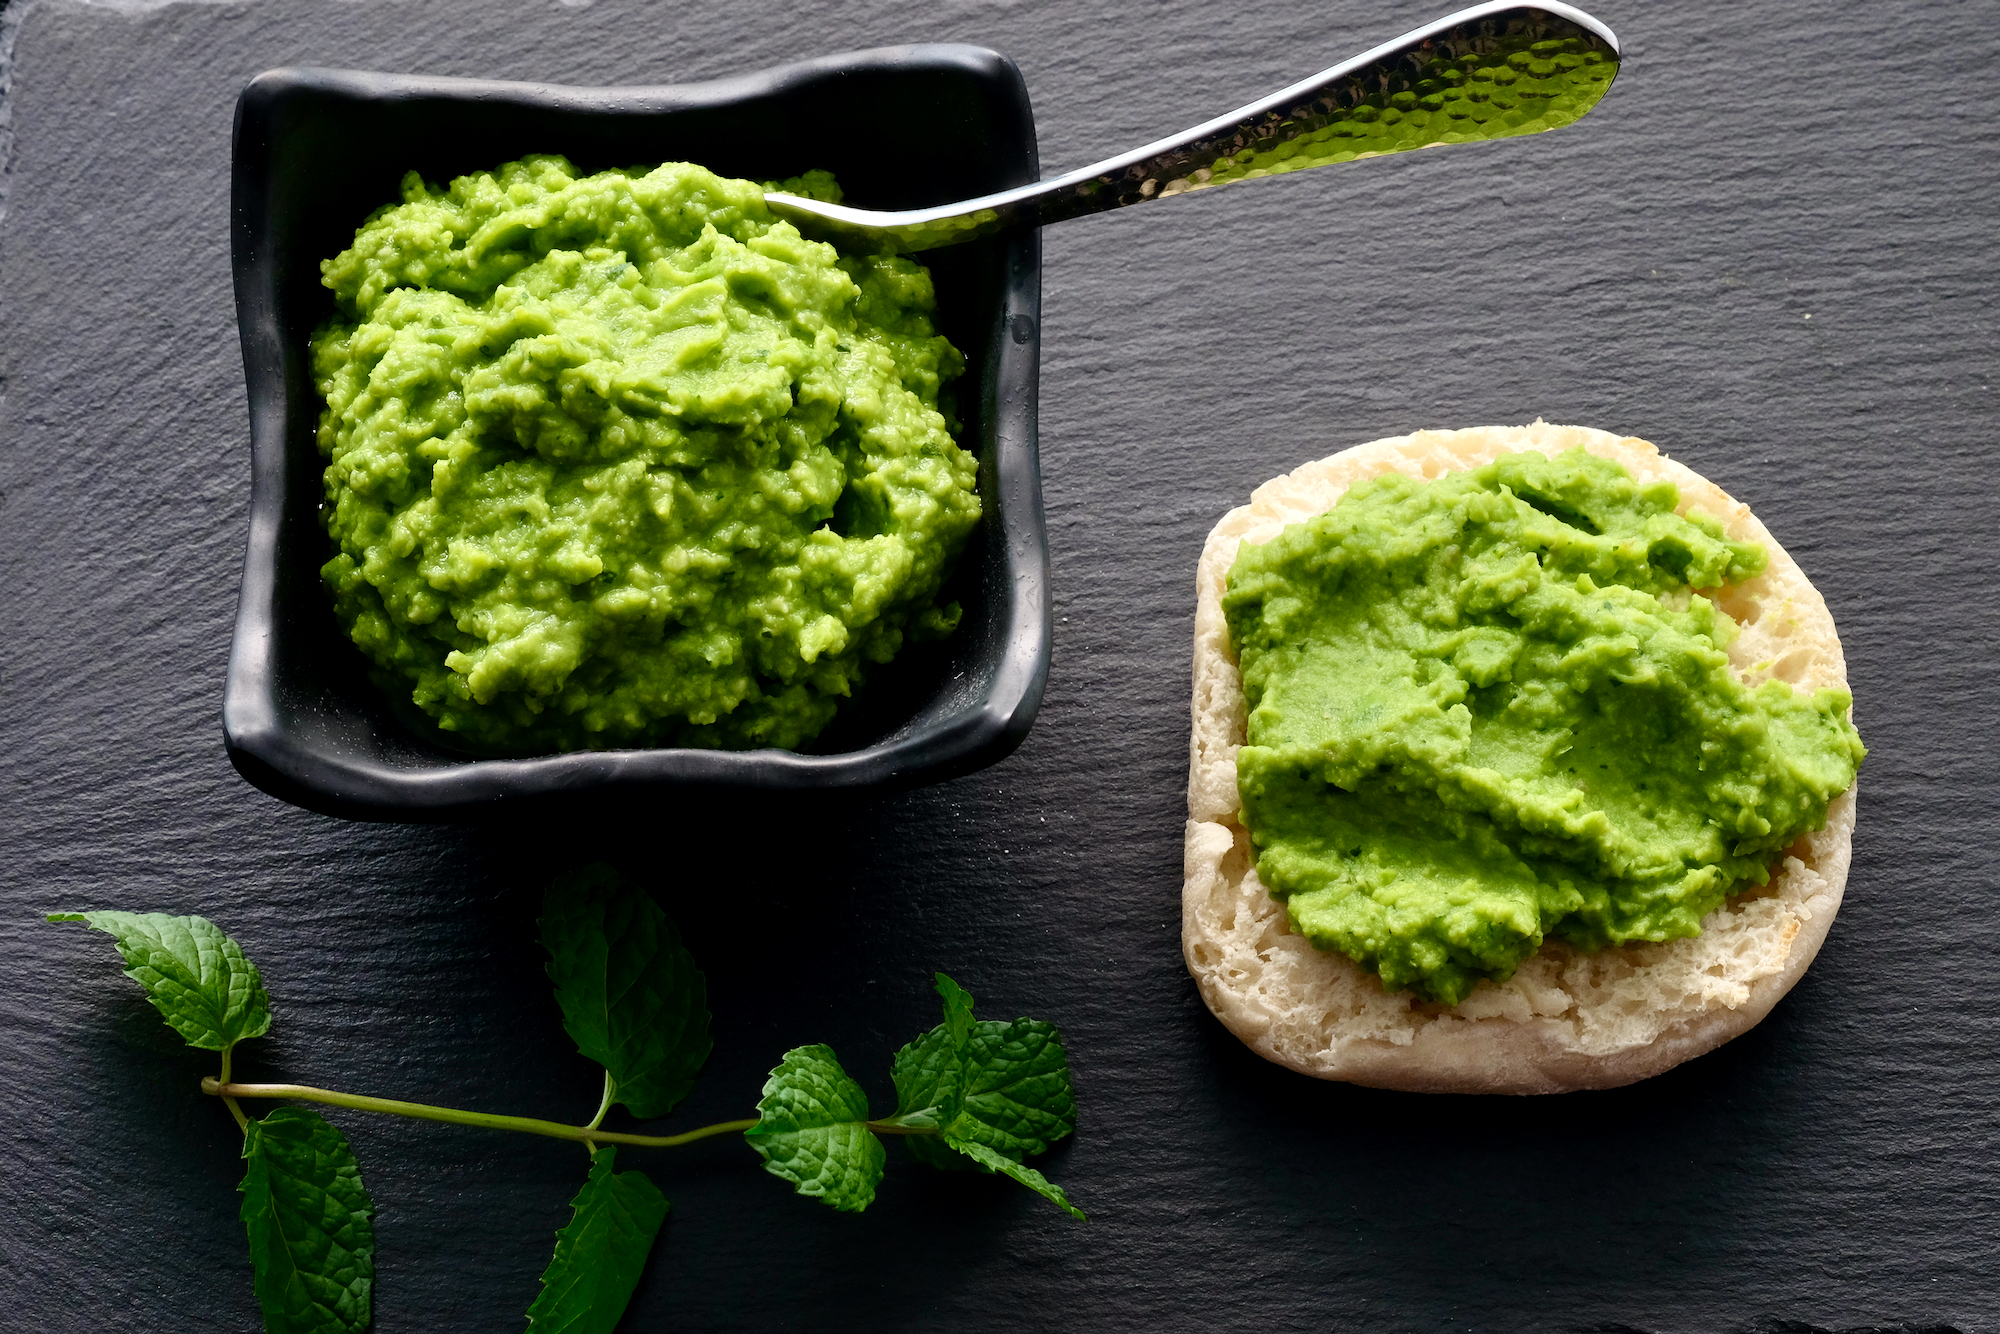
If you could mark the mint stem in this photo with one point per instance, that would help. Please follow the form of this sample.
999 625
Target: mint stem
424 1112
894 1128
588 1135
603 1106
242 1121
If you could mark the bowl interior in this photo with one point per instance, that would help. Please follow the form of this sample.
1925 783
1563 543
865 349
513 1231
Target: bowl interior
318 150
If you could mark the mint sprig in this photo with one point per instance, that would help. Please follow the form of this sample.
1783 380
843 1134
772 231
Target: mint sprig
312 1238
996 1092
601 1253
970 1092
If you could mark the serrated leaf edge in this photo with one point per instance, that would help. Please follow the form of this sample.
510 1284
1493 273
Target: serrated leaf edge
994 1161
603 1176
255 1019
767 1134
258 1161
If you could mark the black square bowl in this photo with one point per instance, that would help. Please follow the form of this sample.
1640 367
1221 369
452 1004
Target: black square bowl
317 150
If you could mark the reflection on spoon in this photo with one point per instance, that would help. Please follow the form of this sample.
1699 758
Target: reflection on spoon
1490 72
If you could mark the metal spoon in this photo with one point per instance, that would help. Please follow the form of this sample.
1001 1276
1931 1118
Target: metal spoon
1490 72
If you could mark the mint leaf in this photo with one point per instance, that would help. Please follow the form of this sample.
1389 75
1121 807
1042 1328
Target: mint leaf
1027 1176
196 977
631 996
312 1246
601 1253
1000 1087
812 1130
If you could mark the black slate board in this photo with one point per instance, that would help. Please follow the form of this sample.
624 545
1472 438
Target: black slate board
1763 252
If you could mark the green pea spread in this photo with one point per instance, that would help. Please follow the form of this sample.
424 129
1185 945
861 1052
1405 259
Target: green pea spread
622 459
1487 710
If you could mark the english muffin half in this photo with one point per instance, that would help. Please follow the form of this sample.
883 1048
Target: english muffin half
1565 1020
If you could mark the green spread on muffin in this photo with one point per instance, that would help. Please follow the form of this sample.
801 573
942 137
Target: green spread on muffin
1492 708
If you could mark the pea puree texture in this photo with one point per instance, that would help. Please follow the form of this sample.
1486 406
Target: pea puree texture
622 459
1487 709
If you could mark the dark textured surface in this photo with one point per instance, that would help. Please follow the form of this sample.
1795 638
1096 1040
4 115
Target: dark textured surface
1761 251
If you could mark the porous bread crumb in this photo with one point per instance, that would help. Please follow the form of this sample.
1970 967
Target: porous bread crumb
1564 1020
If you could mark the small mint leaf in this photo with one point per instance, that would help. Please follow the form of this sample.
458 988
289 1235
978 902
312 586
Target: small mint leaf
929 1073
196 977
601 1253
957 1008
312 1246
1027 1176
631 996
812 1130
